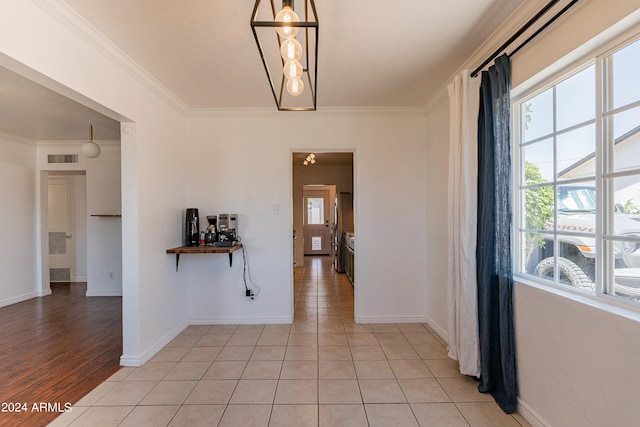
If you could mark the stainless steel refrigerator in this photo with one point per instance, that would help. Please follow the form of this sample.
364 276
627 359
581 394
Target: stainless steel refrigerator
343 222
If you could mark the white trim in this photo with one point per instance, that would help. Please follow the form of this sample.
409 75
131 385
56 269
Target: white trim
618 34
87 32
103 294
517 19
141 359
21 298
242 321
15 138
391 319
442 332
272 112
69 142
609 305
530 415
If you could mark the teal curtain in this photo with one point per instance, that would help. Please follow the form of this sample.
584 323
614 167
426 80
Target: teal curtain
493 251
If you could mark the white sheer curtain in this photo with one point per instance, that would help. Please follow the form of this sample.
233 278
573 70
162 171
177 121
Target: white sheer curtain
463 172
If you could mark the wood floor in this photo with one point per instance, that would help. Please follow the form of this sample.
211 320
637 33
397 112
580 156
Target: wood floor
54 350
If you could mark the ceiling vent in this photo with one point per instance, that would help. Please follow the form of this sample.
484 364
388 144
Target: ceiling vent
62 158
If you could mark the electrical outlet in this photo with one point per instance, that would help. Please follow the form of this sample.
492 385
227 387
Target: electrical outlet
111 275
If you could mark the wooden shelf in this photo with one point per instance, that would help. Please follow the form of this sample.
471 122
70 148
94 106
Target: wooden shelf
108 215
204 250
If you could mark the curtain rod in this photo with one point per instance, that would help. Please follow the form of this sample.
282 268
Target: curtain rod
521 31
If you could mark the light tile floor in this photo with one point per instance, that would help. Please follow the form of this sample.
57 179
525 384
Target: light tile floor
324 370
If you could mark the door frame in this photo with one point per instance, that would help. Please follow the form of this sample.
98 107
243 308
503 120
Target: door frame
43 265
329 219
356 216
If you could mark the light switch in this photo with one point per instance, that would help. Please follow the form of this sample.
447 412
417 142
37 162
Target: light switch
276 208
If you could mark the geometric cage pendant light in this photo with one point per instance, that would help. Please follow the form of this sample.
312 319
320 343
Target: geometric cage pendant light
287 40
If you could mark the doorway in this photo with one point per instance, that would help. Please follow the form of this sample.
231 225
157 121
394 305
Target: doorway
317 219
66 226
316 193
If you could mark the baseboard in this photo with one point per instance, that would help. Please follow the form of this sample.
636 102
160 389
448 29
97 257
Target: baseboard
438 329
531 416
141 359
14 300
390 319
103 293
242 321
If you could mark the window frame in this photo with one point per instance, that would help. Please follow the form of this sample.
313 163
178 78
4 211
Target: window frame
605 173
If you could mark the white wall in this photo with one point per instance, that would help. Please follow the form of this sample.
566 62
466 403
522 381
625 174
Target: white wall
51 45
18 280
437 215
242 164
585 356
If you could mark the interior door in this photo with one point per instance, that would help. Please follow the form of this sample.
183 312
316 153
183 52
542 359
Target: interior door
317 218
61 242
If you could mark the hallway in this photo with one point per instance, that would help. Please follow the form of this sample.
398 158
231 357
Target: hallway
323 370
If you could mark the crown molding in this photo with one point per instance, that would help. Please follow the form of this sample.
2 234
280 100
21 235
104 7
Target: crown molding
328 111
69 142
518 18
15 138
63 13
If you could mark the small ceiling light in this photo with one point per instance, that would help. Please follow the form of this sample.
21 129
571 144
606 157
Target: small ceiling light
298 56
311 159
90 149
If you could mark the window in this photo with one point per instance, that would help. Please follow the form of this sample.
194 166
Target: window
578 178
315 210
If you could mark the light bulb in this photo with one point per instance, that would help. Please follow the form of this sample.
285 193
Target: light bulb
291 50
292 70
287 15
295 87
91 150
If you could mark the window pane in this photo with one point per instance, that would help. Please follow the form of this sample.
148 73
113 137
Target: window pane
576 153
537 247
576 261
537 116
625 64
538 162
626 219
626 134
315 210
576 99
538 208
577 207
627 283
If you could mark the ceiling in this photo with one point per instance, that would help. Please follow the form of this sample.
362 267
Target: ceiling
324 159
371 54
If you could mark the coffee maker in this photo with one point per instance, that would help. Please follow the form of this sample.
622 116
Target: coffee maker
192 227
227 230
210 236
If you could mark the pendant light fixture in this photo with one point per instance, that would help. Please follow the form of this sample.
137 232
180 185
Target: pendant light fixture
289 51
90 149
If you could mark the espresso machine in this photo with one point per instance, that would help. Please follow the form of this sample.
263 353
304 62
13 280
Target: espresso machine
227 230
